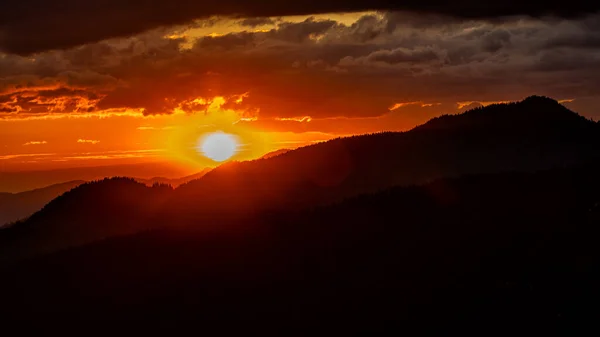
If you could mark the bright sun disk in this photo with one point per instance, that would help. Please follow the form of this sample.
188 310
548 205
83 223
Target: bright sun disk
218 146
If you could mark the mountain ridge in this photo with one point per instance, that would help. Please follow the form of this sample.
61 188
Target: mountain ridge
20 205
332 171
533 108
367 163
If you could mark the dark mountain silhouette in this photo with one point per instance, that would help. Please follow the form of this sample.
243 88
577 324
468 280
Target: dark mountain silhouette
17 206
498 138
487 254
534 134
505 117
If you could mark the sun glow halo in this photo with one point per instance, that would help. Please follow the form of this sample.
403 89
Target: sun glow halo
218 146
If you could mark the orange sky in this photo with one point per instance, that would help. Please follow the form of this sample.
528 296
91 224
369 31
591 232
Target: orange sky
123 137
71 140
120 137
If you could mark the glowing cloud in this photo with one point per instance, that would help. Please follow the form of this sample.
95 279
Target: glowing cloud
296 119
35 142
419 103
149 128
88 141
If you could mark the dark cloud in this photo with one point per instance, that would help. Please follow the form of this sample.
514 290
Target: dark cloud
258 21
8 109
50 101
495 40
318 68
588 41
65 92
29 26
567 60
228 41
422 20
87 80
367 28
300 32
403 55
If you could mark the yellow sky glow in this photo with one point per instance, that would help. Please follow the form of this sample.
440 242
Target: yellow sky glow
128 137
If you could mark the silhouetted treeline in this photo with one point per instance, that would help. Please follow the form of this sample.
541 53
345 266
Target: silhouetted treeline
484 254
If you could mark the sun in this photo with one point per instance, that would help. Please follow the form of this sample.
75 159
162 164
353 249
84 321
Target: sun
218 146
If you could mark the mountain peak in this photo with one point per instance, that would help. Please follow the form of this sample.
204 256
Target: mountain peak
531 113
537 99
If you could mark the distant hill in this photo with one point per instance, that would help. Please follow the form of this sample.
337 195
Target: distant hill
20 181
535 134
487 254
174 182
17 206
90 212
275 153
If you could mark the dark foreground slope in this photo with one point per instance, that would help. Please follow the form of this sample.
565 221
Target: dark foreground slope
17 206
488 254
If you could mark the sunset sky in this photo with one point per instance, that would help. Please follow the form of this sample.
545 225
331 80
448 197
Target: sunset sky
106 83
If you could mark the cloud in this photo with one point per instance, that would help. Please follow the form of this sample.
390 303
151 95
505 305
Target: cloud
397 106
311 66
228 41
25 155
51 101
153 128
88 141
302 119
30 26
300 32
495 40
257 21
419 55
35 142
